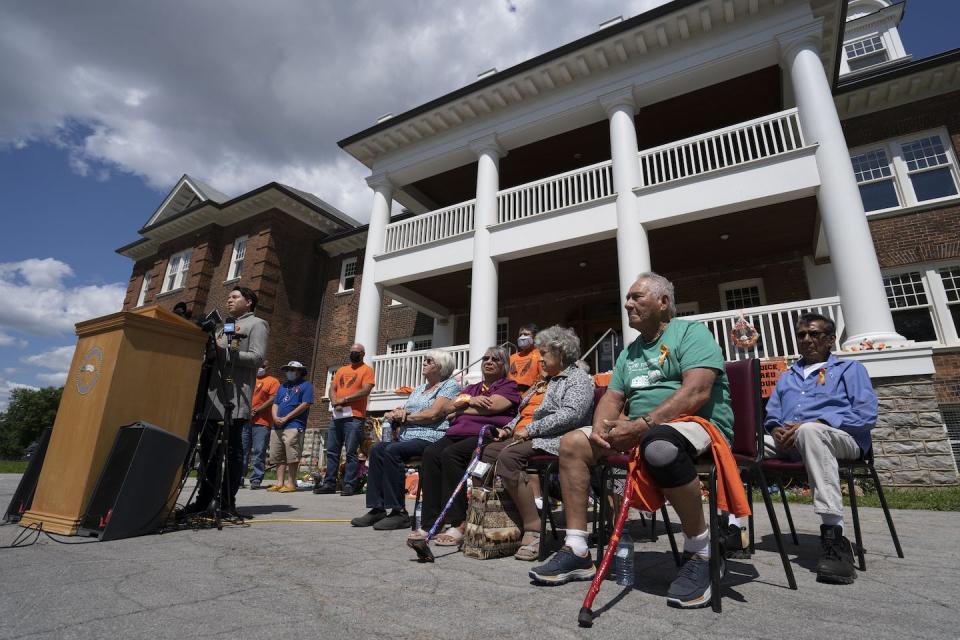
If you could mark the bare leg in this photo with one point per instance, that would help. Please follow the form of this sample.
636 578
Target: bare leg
576 457
523 497
687 502
292 474
281 471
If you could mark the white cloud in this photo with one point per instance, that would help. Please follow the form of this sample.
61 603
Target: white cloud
128 87
53 379
6 386
40 303
6 340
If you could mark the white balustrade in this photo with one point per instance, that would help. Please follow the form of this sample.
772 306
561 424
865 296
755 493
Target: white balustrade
404 369
556 192
775 325
429 227
764 137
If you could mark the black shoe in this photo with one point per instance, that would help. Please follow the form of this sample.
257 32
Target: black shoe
370 518
347 491
324 489
691 588
254 485
396 520
189 510
563 567
836 559
736 542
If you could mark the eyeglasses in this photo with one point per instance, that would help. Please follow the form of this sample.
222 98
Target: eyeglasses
494 358
813 334
428 361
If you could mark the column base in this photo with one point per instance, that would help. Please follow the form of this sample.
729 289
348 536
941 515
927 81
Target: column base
890 339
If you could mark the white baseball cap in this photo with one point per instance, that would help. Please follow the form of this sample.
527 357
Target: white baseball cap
293 364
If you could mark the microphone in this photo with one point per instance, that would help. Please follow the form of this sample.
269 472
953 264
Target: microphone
229 326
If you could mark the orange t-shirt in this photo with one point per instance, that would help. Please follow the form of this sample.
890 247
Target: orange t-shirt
348 380
526 413
525 369
265 388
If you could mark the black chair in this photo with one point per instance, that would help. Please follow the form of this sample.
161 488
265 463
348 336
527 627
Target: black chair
414 463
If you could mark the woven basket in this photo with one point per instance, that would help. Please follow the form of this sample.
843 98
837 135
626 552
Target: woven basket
493 524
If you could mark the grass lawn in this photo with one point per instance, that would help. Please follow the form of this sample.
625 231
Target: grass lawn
13 466
933 499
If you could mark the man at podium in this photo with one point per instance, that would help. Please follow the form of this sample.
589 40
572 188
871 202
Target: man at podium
237 356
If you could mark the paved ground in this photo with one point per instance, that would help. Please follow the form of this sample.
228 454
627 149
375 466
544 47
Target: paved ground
328 580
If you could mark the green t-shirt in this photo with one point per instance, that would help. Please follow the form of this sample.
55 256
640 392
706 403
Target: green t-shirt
648 374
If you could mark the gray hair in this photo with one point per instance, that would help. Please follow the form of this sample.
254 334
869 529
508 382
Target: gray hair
561 341
661 287
501 353
444 360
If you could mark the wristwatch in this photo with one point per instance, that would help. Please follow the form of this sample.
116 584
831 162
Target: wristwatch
650 423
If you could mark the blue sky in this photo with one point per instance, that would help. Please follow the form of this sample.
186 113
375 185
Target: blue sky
104 106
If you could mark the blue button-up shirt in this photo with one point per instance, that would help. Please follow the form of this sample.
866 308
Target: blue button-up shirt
839 393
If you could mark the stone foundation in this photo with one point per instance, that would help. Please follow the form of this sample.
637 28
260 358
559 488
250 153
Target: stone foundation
910 440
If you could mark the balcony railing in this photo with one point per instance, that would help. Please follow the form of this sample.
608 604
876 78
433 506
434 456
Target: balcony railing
764 137
775 325
429 227
568 189
404 369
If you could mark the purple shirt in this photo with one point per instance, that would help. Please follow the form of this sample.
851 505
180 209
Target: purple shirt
467 425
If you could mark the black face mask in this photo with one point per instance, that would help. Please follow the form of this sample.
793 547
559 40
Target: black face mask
356 356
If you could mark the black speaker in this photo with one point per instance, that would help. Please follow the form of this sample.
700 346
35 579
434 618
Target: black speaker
136 483
23 496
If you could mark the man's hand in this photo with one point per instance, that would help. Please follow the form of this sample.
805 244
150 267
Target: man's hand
624 435
785 436
281 421
599 434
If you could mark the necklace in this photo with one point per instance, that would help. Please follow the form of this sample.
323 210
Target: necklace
656 337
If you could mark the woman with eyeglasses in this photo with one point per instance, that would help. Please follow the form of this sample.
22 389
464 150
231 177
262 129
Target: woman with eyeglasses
491 402
421 421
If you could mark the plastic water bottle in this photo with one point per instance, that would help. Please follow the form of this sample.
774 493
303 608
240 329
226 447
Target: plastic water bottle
416 513
623 560
386 431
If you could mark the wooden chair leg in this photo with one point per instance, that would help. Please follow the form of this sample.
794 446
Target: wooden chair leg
856 518
886 509
786 508
775 525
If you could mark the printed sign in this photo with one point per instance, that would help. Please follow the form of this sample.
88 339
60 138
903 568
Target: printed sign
770 371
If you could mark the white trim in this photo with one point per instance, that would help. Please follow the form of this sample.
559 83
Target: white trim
409 345
326 387
746 283
237 256
687 308
144 286
178 268
343 275
502 320
947 334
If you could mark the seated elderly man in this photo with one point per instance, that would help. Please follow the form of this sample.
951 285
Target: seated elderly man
822 410
674 368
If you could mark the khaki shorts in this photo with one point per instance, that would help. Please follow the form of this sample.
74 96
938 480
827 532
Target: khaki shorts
286 446
693 432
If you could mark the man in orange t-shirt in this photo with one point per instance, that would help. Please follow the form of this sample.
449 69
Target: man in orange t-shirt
525 363
256 431
349 389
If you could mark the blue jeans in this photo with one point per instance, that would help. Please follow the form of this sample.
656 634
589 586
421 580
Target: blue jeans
386 472
255 441
345 432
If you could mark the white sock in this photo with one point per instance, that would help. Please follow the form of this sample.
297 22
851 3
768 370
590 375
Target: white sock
699 545
732 519
831 520
577 541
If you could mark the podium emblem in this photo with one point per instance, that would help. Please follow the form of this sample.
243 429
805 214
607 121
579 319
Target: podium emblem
89 371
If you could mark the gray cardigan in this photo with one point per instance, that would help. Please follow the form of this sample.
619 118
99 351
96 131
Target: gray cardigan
567 404
246 360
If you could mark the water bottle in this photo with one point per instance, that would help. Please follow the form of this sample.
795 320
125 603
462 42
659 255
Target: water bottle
386 431
416 514
623 560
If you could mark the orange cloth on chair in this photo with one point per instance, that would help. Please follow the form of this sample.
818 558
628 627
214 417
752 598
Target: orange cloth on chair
731 496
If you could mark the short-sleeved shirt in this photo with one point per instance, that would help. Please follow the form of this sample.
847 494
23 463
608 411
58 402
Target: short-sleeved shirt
648 374
468 425
348 380
422 399
264 389
525 369
289 396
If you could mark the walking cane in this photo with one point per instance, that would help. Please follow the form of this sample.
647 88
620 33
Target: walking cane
585 619
421 545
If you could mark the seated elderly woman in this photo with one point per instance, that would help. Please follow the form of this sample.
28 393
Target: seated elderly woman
566 405
491 402
421 421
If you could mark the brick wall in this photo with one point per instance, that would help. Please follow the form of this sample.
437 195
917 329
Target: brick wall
922 236
946 380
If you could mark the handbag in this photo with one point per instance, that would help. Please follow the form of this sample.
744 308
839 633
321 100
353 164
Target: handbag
493 523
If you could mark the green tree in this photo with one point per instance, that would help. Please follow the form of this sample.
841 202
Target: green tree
29 412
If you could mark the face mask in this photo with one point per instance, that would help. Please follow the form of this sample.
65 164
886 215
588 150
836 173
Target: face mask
261 372
355 357
524 342
293 376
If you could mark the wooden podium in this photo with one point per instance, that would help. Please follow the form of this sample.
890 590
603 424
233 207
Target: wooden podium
128 366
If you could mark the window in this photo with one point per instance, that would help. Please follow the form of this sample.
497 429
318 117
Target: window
177 269
687 309
929 169
395 303
503 330
326 387
950 276
348 274
236 259
910 305
875 178
406 345
742 294
142 298
906 172
865 53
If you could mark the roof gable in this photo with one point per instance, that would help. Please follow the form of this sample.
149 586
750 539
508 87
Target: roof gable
187 193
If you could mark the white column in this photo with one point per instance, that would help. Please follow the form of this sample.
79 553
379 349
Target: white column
443 332
483 283
371 297
633 249
859 283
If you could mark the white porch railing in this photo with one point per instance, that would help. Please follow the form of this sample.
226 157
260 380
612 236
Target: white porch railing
404 369
764 137
436 225
775 323
556 192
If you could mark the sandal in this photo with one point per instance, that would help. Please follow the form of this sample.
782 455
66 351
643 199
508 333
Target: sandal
419 534
450 539
530 551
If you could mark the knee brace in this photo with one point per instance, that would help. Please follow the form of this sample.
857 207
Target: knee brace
668 458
